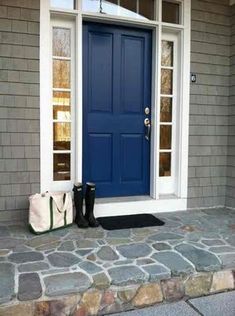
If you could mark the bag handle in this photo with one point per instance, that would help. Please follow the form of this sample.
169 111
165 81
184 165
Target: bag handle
65 202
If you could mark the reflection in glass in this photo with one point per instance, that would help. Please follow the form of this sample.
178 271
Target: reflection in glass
61 74
62 136
170 12
61 98
61 113
61 42
165 137
147 9
166 81
65 4
129 5
127 8
167 53
61 106
61 168
166 109
165 165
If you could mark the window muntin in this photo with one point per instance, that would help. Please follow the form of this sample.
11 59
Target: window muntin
61 103
136 9
171 12
166 109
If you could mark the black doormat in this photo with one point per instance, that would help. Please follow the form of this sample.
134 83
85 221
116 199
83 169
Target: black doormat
129 221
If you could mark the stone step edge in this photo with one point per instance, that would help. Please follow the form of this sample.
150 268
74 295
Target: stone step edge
115 299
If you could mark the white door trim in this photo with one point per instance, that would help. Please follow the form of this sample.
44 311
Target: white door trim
157 203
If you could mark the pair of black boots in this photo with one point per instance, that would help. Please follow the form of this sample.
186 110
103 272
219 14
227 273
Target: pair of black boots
84 221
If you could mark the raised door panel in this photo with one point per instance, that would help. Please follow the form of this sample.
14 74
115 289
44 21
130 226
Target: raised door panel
132 74
100 157
100 79
131 158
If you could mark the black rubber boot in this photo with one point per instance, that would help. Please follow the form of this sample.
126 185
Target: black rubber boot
78 201
90 201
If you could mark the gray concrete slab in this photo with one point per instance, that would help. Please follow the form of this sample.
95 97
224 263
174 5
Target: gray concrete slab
175 309
222 304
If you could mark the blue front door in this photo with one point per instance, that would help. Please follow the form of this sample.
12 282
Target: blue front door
117 89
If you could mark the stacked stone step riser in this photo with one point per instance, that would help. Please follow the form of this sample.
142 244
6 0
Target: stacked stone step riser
107 299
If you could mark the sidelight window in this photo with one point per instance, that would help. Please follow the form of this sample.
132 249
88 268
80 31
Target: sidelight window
168 114
61 103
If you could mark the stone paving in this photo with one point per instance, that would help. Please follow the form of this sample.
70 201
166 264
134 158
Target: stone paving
192 254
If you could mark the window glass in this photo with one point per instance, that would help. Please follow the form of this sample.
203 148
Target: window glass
166 109
61 168
166 81
136 9
129 5
147 9
61 106
165 137
62 136
61 42
167 53
165 165
61 74
61 103
64 4
171 12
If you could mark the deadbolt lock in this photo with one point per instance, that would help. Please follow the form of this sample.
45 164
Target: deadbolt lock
147 110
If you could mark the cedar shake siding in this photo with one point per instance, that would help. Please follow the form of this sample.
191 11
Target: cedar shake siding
231 138
210 60
19 105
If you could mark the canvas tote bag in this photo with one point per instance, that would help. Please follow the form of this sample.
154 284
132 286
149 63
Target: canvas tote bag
50 211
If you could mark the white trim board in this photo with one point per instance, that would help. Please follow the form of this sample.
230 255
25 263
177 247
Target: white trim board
148 206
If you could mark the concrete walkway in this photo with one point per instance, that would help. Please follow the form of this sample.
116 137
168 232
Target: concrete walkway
222 304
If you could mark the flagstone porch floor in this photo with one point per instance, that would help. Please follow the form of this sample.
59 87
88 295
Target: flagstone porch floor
93 271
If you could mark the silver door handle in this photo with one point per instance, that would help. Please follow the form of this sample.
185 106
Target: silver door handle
147 125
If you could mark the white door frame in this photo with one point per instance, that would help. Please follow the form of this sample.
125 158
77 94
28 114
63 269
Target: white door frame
176 201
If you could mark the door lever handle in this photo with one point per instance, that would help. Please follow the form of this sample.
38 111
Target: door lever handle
147 125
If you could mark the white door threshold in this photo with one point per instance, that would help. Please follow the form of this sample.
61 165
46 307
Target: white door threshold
122 199
138 205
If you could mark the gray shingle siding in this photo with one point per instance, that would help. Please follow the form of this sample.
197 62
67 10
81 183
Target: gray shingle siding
19 105
210 59
230 201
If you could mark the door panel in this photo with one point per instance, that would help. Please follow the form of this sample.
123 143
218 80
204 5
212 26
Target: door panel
117 88
100 61
131 146
101 166
132 75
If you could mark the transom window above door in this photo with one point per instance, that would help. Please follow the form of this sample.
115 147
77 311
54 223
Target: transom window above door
137 9
132 9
